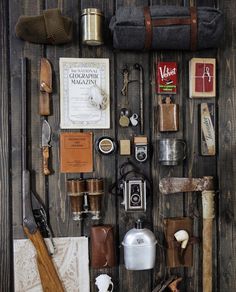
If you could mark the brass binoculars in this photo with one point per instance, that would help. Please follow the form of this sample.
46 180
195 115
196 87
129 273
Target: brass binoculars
85 197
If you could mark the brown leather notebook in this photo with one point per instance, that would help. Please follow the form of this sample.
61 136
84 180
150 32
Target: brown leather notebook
76 152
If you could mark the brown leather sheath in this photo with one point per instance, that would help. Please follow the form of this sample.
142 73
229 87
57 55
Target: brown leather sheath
102 247
150 23
169 116
173 257
45 87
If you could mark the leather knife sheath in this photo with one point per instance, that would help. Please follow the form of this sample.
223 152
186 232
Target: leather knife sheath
45 87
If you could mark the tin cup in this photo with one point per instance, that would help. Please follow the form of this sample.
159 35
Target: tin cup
95 191
92 20
171 151
75 190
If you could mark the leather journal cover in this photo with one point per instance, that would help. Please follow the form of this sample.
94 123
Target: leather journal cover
173 257
102 247
76 152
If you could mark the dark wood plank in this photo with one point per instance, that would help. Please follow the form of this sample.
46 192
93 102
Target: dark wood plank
104 166
53 189
56 193
226 161
18 49
5 201
170 205
130 280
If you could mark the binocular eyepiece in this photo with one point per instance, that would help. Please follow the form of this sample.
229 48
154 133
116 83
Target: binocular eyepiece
85 197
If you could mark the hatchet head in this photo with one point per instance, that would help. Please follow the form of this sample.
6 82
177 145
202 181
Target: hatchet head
171 185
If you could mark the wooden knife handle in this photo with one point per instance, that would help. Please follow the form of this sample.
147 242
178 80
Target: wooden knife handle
44 104
46 170
49 277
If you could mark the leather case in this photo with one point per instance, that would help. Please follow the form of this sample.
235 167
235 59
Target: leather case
102 247
173 256
169 116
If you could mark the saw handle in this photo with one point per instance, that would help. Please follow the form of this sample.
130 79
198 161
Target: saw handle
46 170
49 277
44 103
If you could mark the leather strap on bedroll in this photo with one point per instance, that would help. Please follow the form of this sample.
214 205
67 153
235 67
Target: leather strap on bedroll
150 23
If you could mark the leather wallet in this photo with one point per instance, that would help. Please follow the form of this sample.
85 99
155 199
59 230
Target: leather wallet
102 247
174 257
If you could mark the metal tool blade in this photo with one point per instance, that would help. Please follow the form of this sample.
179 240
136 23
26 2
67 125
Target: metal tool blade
46 134
171 185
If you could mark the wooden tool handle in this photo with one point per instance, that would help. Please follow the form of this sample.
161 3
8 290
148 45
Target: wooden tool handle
173 285
46 170
208 216
44 104
49 277
207 255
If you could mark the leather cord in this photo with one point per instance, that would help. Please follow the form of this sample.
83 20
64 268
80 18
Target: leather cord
193 16
148 28
149 24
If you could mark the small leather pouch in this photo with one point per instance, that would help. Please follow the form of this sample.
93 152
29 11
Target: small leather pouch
177 256
169 116
102 247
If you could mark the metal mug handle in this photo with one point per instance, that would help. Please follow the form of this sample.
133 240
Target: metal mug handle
112 286
185 146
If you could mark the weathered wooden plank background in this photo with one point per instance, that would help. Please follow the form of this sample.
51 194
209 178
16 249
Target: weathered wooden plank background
53 190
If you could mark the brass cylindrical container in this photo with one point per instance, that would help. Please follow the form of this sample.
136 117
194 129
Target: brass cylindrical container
75 190
92 20
95 190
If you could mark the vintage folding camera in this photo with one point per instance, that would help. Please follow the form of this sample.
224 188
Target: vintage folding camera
140 148
134 194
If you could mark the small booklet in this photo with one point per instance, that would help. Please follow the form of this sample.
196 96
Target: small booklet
76 152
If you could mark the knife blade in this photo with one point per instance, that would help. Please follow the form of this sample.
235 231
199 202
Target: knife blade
46 137
45 87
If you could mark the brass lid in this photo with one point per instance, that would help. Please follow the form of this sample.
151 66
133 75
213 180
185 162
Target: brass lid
90 11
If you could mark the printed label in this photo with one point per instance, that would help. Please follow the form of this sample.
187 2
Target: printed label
167 77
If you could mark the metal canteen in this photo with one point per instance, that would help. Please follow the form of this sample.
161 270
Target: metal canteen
139 248
171 151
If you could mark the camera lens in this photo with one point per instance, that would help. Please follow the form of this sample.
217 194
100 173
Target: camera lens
135 199
141 156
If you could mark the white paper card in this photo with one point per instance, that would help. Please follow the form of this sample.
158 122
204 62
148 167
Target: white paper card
78 78
71 261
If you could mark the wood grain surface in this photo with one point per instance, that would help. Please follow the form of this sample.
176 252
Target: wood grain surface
52 188
5 187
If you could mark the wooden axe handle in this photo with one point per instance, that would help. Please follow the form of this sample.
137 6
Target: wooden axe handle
208 216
